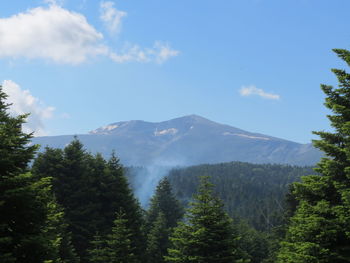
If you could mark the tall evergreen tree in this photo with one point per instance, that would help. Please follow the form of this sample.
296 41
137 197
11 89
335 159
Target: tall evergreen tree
124 200
59 228
206 236
119 243
158 240
319 230
26 213
164 201
90 189
117 246
75 189
98 253
163 215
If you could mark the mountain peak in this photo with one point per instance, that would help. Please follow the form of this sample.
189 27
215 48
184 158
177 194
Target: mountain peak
193 118
188 119
190 139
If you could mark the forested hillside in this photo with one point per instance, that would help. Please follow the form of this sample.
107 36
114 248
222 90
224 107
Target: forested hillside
253 192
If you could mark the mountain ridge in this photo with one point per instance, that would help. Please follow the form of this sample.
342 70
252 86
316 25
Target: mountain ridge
187 140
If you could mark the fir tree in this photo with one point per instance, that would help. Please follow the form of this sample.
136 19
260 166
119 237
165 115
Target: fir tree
90 189
67 253
98 253
119 243
26 213
164 213
58 226
158 240
207 235
76 196
319 230
75 180
124 200
164 201
117 246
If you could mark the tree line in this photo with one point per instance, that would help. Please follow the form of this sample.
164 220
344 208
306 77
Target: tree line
72 206
253 192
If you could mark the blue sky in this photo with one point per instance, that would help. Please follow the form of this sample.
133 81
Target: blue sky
253 64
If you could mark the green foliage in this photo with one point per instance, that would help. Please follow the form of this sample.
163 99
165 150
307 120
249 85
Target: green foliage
90 189
164 201
207 233
98 253
14 150
253 192
125 201
162 216
61 238
158 240
28 212
115 247
23 220
252 243
319 231
121 249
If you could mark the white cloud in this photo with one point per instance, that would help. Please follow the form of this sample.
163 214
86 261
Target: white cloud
56 34
162 52
24 102
54 2
50 33
252 90
159 53
111 17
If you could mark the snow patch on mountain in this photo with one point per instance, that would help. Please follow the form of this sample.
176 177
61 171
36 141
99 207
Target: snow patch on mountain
109 127
171 131
246 136
104 129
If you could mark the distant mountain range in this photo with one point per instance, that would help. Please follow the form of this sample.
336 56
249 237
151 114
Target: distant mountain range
187 140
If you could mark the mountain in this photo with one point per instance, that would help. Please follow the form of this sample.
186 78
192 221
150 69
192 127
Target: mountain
187 140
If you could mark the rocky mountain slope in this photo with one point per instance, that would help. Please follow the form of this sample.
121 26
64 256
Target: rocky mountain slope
187 140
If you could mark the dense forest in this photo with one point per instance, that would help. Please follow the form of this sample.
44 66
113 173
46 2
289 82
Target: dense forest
253 192
68 205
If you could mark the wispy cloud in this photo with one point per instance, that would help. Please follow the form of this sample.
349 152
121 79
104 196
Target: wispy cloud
111 17
254 91
24 102
57 34
163 52
159 53
54 2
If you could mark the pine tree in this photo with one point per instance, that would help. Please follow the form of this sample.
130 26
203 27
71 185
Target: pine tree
158 240
76 177
90 189
76 195
26 216
319 230
163 215
206 236
119 243
98 253
67 253
164 201
117 246
121 198
59 229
